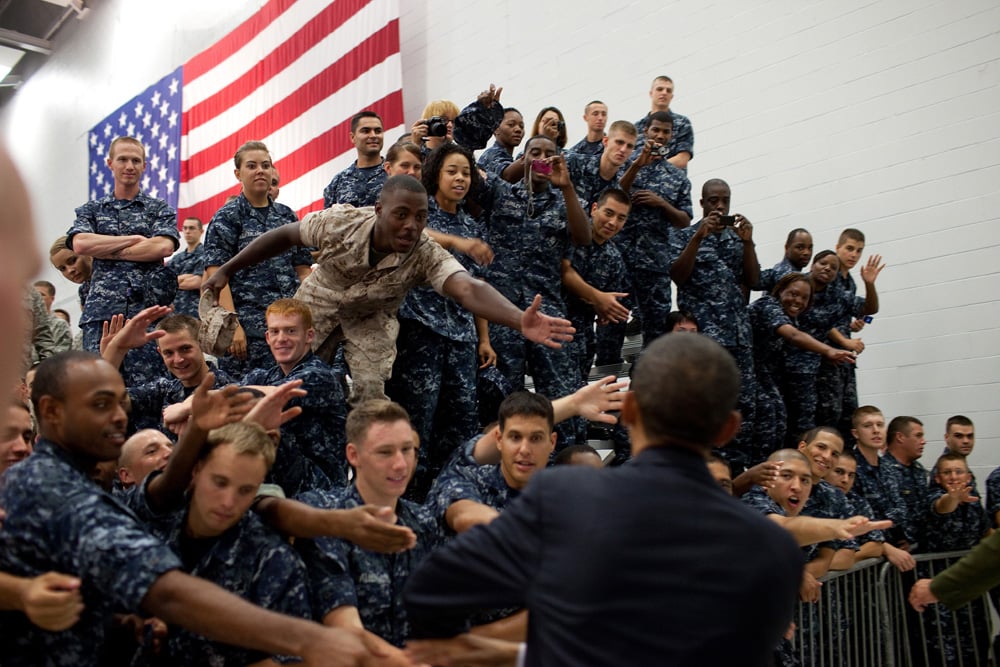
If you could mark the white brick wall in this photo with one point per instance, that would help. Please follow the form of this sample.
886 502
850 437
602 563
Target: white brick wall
880 115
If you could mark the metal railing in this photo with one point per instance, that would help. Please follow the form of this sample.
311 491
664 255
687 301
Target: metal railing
863 619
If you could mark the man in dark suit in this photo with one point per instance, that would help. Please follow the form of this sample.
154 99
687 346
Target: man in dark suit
649 563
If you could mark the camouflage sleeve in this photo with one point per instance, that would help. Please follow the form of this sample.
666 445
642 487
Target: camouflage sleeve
330 192
684 198
476 123
43 341
164 221
330 581
683 136
114 554
221 239
438 265
85 222
758 500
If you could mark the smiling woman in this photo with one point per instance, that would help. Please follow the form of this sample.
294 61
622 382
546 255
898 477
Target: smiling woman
773 321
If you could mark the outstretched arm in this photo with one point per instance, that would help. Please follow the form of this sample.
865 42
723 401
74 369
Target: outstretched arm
269 244
483 300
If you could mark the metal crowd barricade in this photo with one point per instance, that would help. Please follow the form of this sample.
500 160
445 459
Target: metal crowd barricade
863 619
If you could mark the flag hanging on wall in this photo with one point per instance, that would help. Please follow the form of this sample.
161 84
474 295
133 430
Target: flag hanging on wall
291 75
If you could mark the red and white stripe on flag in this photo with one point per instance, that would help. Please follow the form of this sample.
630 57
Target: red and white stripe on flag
291 75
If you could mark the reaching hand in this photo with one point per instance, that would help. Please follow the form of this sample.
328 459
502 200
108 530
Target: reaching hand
560 174
215 408
466 650
743 228
268 411
840 356
132 334
921 595
594 401
541 328
366 526
238 348
609 308
765 474
859 525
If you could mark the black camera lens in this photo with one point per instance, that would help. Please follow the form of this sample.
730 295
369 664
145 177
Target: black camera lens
560 126
437 126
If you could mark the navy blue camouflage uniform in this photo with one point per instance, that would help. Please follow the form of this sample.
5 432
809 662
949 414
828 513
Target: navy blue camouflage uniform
357 186
249 560
343 573
463 478
646 244
911 482
801 367
769 349
254 288
584 147
121 286
860 507
770 277
681 140
601 266
836 385
184 262
529 239
757 499
434 375
495 159
311 454
713 295
964 637
878 486
150 399
76 528
585 172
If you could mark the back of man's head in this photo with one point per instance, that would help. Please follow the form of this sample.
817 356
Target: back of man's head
686 388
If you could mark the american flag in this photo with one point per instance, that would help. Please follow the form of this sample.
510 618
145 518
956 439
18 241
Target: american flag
291 75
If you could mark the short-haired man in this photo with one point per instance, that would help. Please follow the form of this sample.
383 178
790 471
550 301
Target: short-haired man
312 445
872 483
661 203
681 145
547 548
467 494
905 438
360 184
842 475
595 115
508 136
17 435
145 451
956 521
713 260
176 339
361 588
798 252
57 518
593 173
822 445
189 265
128 234
368 260
837 385
959 438
595 278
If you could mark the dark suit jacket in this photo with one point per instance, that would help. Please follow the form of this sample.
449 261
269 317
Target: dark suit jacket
650 563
